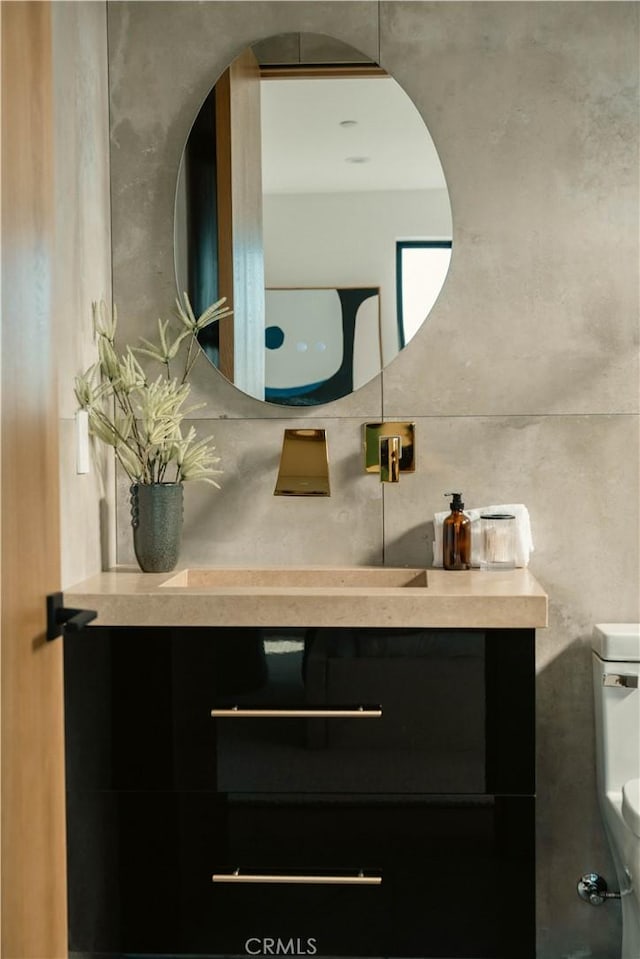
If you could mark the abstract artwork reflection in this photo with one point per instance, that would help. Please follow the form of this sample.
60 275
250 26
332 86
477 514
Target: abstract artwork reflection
320 343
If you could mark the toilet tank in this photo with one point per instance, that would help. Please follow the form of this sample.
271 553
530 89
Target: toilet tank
616 681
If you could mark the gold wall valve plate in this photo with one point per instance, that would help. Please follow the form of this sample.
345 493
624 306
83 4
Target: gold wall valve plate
373 432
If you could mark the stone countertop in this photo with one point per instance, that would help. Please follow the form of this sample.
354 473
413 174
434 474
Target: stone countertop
471 598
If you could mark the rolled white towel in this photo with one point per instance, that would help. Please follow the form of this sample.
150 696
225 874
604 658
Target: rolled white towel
524 539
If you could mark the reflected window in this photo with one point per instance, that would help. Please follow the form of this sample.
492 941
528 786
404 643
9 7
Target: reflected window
421 268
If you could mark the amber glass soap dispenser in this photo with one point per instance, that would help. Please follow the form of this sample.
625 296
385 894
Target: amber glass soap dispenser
456 536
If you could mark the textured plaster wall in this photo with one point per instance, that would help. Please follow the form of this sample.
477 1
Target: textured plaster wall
523 383
83 264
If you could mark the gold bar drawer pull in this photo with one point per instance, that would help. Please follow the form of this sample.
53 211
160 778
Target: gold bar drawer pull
312 712
358 879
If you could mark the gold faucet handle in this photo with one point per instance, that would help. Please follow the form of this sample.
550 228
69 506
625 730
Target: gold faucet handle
390 453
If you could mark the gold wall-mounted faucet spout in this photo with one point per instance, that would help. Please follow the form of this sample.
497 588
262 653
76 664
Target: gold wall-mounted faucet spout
389 450
304 464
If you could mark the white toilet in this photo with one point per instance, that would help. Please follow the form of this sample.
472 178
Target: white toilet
616 683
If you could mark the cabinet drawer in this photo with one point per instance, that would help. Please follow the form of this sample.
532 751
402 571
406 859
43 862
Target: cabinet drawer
380 712
405 713
456 878
452 711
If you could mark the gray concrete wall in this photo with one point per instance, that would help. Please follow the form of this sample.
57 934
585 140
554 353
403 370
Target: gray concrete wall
82 265
524 382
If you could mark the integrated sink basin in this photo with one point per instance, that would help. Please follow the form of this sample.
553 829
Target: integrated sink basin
358 577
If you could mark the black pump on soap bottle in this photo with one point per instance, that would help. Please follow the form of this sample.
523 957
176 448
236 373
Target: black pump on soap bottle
456 536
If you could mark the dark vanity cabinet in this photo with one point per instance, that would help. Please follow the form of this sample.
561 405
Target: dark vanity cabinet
328 792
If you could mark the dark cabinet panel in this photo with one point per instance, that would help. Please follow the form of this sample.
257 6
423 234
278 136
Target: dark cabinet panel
455 710
456 877
455 714
431 790
93 873
510 677
418 723
138 704
158 870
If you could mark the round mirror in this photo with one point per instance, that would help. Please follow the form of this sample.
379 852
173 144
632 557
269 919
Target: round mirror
310 194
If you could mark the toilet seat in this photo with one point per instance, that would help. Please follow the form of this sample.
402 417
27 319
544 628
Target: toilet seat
631 805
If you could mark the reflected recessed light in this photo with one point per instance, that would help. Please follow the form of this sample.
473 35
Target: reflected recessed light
348 123
357 159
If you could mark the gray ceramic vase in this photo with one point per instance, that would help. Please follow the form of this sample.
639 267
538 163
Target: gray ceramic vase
156 518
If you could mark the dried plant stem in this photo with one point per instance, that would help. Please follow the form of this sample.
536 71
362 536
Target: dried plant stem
142 419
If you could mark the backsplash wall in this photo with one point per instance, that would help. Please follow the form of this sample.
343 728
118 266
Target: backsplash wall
524 381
